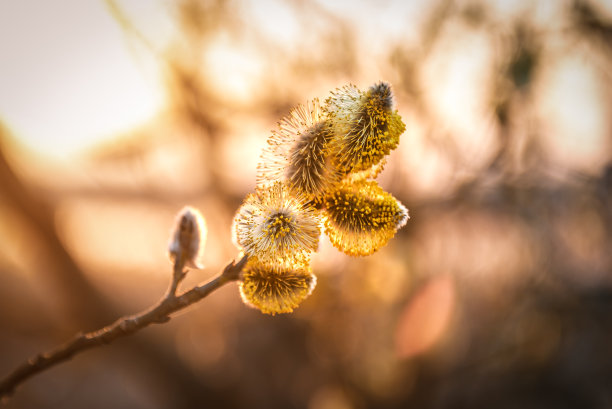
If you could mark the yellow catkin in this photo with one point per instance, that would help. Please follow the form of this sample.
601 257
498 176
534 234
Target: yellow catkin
273 289
365 125
298 153
277 226
360 217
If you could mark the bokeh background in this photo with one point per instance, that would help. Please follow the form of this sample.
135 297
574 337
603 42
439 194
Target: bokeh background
497 293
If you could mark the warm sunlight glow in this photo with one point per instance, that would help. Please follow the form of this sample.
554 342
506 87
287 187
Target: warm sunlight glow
235 71
70 77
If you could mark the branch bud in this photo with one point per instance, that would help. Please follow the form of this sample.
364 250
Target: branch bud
188 238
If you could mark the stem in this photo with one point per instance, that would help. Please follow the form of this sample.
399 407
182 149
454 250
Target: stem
178 274
124 326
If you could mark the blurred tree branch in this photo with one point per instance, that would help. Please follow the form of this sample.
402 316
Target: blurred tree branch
82 302
124 326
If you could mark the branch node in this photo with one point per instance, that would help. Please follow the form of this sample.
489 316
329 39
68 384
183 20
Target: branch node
232 271
162 319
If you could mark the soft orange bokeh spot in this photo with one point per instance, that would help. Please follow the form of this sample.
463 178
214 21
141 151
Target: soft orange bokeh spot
425 317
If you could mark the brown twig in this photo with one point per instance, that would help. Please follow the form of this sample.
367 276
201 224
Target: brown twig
124 326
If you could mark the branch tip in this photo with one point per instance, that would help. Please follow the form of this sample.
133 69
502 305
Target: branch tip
232 271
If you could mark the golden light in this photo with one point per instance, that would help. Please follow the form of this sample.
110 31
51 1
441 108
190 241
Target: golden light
234 69
69 78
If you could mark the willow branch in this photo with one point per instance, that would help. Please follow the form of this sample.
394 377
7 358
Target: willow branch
124 326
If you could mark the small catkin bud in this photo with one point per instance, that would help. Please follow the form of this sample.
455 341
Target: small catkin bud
188 238
273 289
360 217
366 127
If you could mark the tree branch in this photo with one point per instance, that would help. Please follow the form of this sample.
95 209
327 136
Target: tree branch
124 326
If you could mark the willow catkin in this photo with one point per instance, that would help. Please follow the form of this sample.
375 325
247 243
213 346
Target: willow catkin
360 217
273 289
298 153
365 126
277 226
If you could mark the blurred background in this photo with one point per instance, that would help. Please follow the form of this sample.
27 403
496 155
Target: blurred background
497 293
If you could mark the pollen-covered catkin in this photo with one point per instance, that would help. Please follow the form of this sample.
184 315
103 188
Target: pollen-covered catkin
366 127
277 226
273 289
360 217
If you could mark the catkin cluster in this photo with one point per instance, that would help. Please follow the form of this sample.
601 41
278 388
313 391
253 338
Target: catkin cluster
317 173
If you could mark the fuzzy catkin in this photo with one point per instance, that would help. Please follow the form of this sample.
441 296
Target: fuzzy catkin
361 217
365 125
298 153
276 226
275 290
